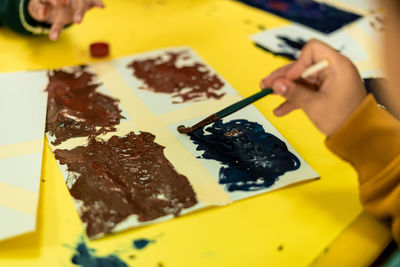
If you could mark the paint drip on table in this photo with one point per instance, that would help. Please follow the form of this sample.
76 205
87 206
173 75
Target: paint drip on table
175 73
75 107
124 176
142 243
252 159
86 257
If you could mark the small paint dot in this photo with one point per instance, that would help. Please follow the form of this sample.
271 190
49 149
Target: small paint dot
261 27
132 256
280 248
141 243
326 250
160 264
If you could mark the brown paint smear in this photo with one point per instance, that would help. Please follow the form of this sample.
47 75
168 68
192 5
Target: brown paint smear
124 176
186 84
75 108
186 130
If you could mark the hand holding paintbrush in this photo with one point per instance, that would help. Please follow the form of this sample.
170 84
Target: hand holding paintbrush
247 101
328 97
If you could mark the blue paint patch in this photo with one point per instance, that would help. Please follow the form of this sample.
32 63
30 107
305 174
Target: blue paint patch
297 44
253 159
84 256
141 243
319 16
292 46
288 48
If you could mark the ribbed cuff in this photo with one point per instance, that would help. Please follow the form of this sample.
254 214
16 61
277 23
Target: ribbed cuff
28 23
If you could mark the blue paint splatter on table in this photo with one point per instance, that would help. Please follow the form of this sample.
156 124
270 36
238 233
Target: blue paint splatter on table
84 257
141 243
319 16
252 159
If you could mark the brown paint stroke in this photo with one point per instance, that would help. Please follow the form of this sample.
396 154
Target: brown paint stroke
121 177
187 83
186 130
75 108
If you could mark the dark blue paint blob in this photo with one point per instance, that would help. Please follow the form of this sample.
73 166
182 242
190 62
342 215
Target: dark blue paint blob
297 44
287 55
141 243
319 16
252 158
289 48
84 256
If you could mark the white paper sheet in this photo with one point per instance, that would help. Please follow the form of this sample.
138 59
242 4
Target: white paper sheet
23 104
250 113
340 40
160 103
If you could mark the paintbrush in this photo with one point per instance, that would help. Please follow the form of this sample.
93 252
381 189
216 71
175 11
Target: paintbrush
247 101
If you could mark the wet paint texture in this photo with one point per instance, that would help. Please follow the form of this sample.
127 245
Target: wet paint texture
319 16
141 243
289 47
75 108
188 82
84 256
252 159
297 44
124 176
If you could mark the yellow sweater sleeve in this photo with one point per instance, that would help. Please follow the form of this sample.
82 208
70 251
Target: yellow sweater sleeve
370 141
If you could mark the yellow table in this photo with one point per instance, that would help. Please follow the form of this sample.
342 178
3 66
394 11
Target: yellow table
318 223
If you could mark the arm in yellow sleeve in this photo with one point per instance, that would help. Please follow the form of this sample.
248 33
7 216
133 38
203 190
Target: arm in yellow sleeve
370 141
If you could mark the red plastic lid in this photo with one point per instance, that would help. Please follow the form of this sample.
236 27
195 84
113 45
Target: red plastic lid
99 49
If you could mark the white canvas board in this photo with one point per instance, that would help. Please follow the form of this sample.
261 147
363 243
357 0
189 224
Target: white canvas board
23 104
130 222
160 103
342 41
250 113
14 223
22 171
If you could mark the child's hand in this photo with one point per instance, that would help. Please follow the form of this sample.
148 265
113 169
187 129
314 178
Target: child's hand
327 97
59 13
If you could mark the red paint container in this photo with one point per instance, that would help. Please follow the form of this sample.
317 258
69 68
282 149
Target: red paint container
99 49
